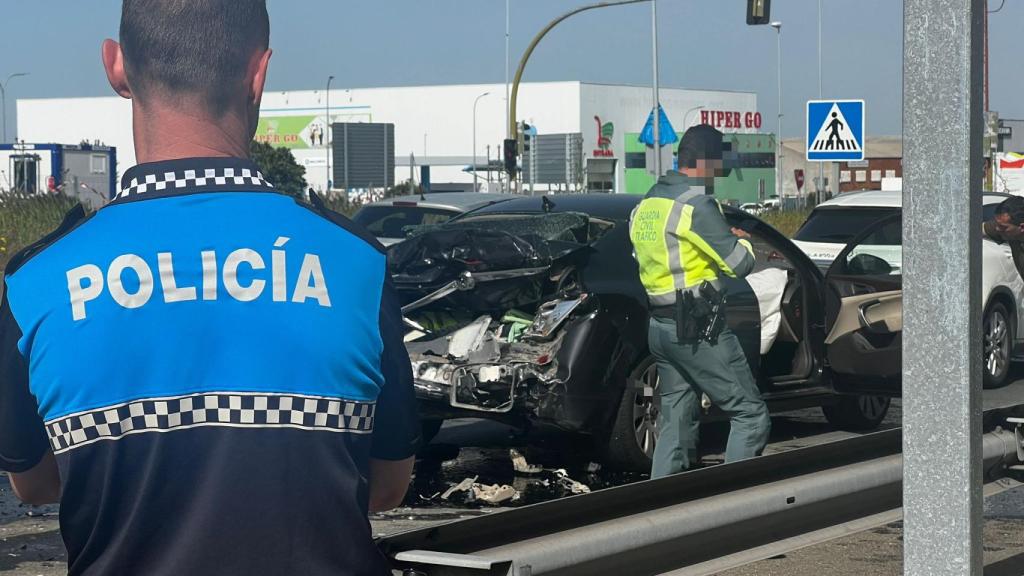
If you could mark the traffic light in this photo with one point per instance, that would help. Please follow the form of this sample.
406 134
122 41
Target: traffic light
759 12
525 130
511 151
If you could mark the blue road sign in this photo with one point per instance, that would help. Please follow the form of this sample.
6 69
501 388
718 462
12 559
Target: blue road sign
835 130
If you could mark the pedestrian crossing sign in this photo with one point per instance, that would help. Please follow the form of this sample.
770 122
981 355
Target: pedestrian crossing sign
835 130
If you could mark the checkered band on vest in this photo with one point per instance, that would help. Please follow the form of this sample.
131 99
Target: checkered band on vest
230 409
204 178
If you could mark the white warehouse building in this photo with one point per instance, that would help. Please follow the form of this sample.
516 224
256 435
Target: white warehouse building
433 124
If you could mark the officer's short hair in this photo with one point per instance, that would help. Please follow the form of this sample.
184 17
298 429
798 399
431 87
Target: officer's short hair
701 142
1014 207
192 48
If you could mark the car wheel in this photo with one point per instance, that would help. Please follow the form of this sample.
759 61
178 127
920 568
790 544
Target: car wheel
858 413
635 432
998 345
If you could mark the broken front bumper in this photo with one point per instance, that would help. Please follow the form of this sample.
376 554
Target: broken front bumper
557 373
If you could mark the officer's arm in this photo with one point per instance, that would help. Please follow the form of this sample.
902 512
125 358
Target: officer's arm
39 485
24 447
396 429
389 481
712 235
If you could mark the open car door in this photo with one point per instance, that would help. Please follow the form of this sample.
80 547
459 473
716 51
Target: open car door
864 311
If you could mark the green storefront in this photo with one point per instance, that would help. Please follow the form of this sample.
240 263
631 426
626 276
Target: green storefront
755 171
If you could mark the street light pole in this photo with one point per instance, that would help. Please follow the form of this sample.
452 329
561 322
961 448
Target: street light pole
533 45
3 98
327 121
687 116
657 103
475 102
508 62
778 137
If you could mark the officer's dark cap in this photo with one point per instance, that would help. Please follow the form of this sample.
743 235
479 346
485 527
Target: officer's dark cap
701 142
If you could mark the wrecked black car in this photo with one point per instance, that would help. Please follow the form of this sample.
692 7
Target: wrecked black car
531 311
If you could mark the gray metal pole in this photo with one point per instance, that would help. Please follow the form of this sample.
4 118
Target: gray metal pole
475 102
778 128
942 127
508 61
3 97
327 121
657 103
821 165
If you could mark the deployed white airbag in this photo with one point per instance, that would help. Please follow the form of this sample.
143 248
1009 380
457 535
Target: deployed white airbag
769 285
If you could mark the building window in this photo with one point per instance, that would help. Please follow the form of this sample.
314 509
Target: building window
862 175
636 160
876 175
844 176
98 164
890 173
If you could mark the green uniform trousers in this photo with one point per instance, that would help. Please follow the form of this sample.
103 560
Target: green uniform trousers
720 371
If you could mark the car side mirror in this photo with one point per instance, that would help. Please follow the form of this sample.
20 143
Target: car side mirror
868 265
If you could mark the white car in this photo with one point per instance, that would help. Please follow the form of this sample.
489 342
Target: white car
835 223
753 208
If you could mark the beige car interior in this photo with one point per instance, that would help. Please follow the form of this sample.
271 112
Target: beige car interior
883 311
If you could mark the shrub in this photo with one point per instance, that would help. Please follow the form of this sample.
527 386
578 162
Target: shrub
27 218
786 222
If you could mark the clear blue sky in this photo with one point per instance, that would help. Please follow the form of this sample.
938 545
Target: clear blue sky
704 44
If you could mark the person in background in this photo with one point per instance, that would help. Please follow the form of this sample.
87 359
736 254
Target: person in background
1007 227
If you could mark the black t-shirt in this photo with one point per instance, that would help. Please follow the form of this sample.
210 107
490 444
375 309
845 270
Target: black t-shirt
213 365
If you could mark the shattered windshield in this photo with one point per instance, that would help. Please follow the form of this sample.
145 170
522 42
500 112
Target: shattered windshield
561 226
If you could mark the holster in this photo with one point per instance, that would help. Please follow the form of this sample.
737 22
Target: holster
700 318
716 301
687 328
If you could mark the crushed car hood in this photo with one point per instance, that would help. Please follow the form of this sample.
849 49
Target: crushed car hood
509 259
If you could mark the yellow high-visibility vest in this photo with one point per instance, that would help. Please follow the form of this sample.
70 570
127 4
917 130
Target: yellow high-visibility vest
681 239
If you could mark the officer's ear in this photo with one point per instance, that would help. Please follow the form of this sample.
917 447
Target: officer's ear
113 63
258 73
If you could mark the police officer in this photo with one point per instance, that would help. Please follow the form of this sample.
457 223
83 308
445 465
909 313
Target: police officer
208 375
683 246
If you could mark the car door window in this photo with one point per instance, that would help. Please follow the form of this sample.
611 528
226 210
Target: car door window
879 253
767 255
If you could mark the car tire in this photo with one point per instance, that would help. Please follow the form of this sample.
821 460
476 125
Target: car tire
997 344
430 428
634 434
857 413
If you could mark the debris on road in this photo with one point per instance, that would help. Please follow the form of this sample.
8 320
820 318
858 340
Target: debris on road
593 468
464 486
495 493
572 485
521 466
471 491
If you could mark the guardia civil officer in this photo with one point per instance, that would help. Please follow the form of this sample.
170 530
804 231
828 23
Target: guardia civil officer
208 375
683 246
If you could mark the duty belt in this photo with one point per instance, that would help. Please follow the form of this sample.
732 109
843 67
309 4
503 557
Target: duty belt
668 310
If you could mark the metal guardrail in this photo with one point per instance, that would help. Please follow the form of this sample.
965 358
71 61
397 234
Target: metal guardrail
690 524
